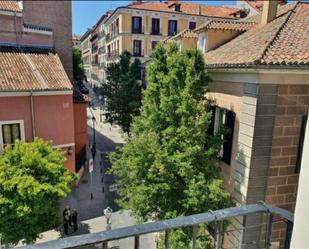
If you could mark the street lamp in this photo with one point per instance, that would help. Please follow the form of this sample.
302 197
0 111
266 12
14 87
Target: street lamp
93 149
101 108
108 215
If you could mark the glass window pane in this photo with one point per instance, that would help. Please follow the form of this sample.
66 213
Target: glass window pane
15 132
6 131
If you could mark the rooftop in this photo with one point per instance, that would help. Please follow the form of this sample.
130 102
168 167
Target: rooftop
282 42
187 8
31 68
10 5
226 25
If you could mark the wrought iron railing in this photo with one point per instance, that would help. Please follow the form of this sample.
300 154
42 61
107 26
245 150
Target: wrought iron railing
167 225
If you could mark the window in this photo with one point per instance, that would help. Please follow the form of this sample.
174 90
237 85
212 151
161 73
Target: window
223 117
137 48
202 42
192 25
301 144
155 26
172 27
10 131
154 44
177 7
136 24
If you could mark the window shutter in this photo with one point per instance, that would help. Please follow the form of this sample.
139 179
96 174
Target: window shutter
301 144
228 144
211 127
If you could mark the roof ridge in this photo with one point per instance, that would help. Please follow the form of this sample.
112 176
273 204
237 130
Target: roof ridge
288 15
34 70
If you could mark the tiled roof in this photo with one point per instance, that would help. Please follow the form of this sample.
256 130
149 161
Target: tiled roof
284 41
24 69
258 4
281 11
226 25
9 5
186 33
187 8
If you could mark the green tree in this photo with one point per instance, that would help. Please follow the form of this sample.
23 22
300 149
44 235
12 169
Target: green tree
122 91
32 181
167 168
78 67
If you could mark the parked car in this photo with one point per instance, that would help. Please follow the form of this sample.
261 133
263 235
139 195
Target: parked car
82 87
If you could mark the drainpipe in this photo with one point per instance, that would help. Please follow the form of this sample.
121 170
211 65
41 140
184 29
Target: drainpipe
32 116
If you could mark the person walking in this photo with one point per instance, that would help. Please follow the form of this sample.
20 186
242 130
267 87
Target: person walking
74 220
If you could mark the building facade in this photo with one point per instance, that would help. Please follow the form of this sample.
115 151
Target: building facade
36 94
259 71
76 41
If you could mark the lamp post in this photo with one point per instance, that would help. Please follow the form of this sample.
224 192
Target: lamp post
101 108
93 149
108 215
93 152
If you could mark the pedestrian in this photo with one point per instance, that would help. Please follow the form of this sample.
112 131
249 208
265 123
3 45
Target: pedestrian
74 220
65 221
69 216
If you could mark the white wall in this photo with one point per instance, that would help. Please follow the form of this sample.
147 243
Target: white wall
300 236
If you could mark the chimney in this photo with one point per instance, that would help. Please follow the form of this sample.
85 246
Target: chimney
269 12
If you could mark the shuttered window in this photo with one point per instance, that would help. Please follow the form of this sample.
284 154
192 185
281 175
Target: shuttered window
223 117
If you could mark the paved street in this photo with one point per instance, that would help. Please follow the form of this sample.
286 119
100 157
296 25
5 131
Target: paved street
101 185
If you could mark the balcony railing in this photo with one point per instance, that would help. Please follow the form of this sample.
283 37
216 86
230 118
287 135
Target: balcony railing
102 50
113 55
165 226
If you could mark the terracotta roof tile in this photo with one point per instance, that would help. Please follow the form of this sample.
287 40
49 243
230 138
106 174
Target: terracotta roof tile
258 4
188 8
9 5
31 69
284 41
226 25
186 33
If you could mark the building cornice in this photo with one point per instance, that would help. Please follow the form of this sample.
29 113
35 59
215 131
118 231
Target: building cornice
34 93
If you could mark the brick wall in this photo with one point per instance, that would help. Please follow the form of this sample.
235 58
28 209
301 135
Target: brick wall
58 16
292 105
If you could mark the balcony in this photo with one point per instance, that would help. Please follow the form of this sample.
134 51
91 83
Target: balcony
102 50
94 49
216 218
113 55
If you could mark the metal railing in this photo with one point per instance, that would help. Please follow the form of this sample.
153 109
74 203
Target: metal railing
167 225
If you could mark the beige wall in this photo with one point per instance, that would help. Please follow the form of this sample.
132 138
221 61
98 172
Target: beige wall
215 38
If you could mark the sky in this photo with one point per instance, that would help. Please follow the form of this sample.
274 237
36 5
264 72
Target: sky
87 13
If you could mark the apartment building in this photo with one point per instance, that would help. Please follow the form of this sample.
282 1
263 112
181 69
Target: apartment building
76 41
85 46
139 26
259 67
35 71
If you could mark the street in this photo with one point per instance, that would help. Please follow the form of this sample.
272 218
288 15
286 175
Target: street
101 185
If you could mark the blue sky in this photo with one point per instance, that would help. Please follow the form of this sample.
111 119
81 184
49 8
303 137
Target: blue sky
86 13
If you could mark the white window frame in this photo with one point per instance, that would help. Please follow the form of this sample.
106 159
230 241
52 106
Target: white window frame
22 130
202 44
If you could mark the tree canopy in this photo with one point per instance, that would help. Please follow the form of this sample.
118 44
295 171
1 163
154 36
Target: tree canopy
122 91
167 168
78 66
32 181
